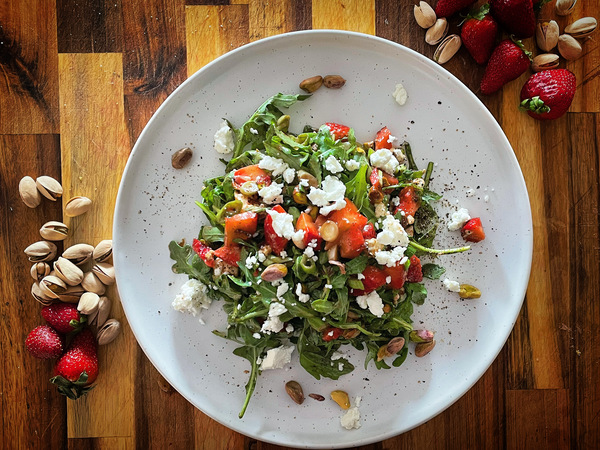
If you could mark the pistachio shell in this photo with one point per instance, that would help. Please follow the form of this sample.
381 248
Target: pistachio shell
104 305
49 187
68 272
52 286
545 61
77 206
564 7
108 332
424 15
29 192
39 295
88 303
91 283
54 231
181 158
105 273
41 251
447 49
424 348
546 34
582 27
72 294
103 251
39 271
437 32
568 47
79 254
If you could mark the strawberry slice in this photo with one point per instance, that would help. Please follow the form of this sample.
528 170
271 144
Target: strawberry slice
397 275
409 201
472 231
229 253
374 278
331 334
382 139
415 271
351 242
240 226
311 233
338 131
276 242
251 173
369 231
204 252
348 217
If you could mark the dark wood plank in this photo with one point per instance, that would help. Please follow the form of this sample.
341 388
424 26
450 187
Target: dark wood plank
89 26
33 412
520 359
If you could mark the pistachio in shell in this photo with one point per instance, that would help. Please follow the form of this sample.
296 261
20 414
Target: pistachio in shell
108 332
447 49
77 206
424 15
103 251
39 295
68 272
105 273
72 294
49 187
79 254
88 303
52 286
437 32
104 305
54 231
29 192
546 34
91 283
545 61
41 251
39 270
568 47
564 7
582 27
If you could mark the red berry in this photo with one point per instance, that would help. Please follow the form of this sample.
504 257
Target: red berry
446 8
415 271
515 16
478 34
331 334
338 131
63 317
548 94
472 231
508 62
44 342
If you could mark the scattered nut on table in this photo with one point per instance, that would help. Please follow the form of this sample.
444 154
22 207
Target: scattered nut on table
29 192
181 158
311 84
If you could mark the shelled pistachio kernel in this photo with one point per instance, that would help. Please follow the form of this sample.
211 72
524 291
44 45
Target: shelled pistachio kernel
341 398
294 390
424 348
468 291
181 158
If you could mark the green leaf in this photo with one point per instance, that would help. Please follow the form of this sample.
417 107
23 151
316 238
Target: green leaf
415 292
433 271
357 190
187 262
357 265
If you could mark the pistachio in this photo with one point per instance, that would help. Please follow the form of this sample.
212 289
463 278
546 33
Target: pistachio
447 49
298 240
341 398
329 231
564 7
545 61
105 273
419 336
437 32
91 283
310 178
49 187
350 333
72 294
29 192
103 251
311 84
568 47
104 305
41 251
382 353
88 303
79 254
468 291
77 206
391 348
424 348
249 188
424 15
181 158
52 286
299 197
546 35
283 123
294 390
54 231
274 272
39 295
333 81
582 28
317 397
40 270
108 332
68 272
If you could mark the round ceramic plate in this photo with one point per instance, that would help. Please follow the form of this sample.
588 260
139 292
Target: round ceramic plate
443 121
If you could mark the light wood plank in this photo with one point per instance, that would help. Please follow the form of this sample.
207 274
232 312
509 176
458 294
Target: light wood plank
109 443
95 147
351 15
276 17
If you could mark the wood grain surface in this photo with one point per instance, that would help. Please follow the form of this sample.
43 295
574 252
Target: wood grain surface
80 79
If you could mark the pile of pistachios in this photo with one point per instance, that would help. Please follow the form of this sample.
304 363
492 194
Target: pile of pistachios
81 274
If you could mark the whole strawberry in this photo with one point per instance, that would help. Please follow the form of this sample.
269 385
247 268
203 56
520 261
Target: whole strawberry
515 16
44 342
548 94
78 367
478 34
508 62
445 8
63 317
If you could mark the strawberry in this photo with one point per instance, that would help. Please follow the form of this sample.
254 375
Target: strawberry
515 16
548 94
44 342
338 131
231 254
63 317
472 231
478 34
445 8
331 334
77 369
204 252
414 274
382 140
508 62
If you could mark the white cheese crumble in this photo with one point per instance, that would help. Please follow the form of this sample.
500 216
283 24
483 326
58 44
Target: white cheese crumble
302 297
277 358
273 324
392 233
192 298
400 94
391 257
333 165
289 328
380 210
275 165
458 219
385 160
352 165
330 197
224 138
283 224
282 289
451 285
351 419
272 193
289 175
256 336
251 262
253 130
373 301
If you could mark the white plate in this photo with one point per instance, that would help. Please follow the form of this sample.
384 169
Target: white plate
442 120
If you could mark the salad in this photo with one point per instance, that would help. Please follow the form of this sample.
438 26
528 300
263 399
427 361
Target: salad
315 242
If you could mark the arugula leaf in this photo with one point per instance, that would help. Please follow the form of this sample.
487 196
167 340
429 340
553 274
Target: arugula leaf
357 265
212 234
415 292
357 190
318 363
433 271
188 262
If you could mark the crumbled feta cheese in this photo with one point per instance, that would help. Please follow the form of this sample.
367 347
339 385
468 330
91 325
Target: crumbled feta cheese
333 165
302 297
391 139
328 286
395 201
256 336
388 280
289 175
360 276
277 358
275 165
273 324
289 328
352 165
258 360
451 285
282 289
251 262
224 138
192 298
304 182
373 301
392 233
261 257
385 160
399 154
380 210
458 219
391 257
351 419
272 193
283 224
253 130
309 251
337 355
400 94
330 197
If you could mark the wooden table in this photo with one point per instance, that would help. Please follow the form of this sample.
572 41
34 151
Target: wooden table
80 79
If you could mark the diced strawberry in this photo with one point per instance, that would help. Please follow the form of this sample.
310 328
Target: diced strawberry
369 231
311 233
348 217
415 271
376 189
229 253
276 242
331 334
388 180
409 201
240 226
204 252
251 173
397 274
472 231
320 220
338 131
351 242
374 278
382 140
375 178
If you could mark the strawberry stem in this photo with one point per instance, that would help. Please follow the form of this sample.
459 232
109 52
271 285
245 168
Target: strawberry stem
72 389
519 44
477 13
535 104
